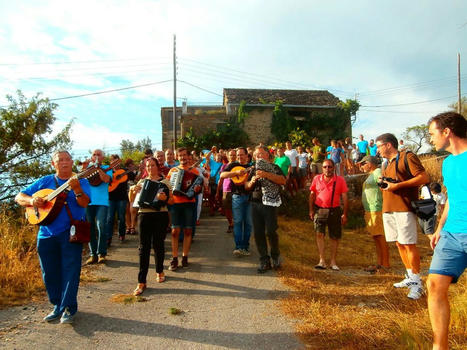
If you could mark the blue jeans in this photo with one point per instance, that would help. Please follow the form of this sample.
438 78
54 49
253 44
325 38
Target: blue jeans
241 210
60 263
97 215
118 207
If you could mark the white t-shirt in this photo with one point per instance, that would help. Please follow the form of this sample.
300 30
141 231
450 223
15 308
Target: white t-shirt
302 160
292 154
439 198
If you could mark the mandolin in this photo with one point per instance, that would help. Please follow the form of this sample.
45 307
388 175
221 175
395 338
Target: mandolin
55 201
239 179
94 178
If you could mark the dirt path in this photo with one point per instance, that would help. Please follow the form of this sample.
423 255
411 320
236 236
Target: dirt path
225 304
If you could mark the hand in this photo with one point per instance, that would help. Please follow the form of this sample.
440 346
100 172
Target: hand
343 219
262 174
312 214
240 172
391 187
74 184
435 239
162 196
137 188
38 202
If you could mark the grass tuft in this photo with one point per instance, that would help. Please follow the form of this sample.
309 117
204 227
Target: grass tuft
127 299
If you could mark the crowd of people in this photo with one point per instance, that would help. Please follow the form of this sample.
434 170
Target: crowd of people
168 189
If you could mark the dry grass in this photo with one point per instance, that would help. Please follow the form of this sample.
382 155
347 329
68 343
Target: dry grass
20 276
351 309
127 299
432 166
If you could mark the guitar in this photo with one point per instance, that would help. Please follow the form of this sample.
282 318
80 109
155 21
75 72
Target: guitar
55 201
94 178
119 176
239 179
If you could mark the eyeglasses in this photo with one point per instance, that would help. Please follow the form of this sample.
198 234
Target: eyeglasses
328 166
381 144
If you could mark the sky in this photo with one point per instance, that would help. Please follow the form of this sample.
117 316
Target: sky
398 58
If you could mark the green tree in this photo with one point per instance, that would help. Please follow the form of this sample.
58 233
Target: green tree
282 123
25 142
418 136
299 137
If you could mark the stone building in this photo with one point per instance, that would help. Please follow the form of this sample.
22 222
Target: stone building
260 103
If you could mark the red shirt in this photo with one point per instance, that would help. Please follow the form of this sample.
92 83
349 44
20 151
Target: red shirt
323 190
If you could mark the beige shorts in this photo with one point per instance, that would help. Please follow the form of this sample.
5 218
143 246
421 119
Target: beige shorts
400 227
316 168
374 223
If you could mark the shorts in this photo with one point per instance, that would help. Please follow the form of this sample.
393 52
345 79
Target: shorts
301 172
427 226
227 200
400 227
374 223
316 168
293 172
450 255
334 223
183 215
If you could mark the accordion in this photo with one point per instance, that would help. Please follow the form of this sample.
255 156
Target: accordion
184 182
148 195
271 191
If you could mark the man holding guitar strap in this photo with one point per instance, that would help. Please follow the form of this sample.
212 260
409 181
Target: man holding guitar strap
96 212
60 260
241 207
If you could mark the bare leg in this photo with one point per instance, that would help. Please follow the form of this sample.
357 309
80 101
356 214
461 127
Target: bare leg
438 308
320 244
413 256
175 235
334 245
187 240
382 250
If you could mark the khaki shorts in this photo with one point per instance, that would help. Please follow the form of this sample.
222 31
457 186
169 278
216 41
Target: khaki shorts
374 223
316 168
400 227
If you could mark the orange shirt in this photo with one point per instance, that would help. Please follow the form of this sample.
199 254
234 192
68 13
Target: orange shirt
182 199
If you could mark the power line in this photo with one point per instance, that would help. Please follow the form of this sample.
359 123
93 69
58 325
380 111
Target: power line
200 88
80 62
411 103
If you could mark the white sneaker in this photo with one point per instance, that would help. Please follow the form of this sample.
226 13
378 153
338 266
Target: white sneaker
245 252
415 291
237 252
405 283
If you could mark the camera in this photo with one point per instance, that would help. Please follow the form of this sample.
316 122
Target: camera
383 184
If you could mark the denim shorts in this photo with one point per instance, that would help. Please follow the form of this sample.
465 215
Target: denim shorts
450 255
182 215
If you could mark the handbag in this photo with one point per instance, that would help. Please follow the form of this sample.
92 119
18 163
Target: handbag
425 208
80 230
322 214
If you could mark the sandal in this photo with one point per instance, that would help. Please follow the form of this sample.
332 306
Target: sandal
335 268
132 231
160 277
372 268
320 266
139 289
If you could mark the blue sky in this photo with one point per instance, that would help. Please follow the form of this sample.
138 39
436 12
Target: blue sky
393 55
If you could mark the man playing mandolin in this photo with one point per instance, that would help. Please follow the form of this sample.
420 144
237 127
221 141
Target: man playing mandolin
60 260
241 207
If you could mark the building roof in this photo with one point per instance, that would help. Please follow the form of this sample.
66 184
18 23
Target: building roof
288 97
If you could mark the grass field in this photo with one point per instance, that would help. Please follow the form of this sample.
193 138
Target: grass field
352 309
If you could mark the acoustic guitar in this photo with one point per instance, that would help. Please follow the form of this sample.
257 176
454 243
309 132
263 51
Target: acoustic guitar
239 179
119 176
55 200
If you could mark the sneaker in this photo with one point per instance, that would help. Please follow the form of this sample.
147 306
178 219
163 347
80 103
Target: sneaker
67 317
245 252
173 264
184 261
237 252
264 266
405 283
91 260
415 291
53 315
101 259
276 263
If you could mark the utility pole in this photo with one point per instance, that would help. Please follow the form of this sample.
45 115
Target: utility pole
174 112
459 104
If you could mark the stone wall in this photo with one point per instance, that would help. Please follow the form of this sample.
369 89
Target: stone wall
202 123
258 125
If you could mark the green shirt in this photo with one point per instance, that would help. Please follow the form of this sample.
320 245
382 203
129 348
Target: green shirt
317 157
284 163
372 198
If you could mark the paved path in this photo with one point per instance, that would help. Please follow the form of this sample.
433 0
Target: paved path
225 304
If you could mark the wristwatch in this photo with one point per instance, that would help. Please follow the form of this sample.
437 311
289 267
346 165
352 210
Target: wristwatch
79 194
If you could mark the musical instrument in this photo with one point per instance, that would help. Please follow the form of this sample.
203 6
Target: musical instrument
240 179
270 190
55 200
183 183
148 194
119 176
94 179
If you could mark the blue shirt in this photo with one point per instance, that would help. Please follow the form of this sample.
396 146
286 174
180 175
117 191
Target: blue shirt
100 194
373 150
329 149
362 146
62 222
176 163
454 170
215 169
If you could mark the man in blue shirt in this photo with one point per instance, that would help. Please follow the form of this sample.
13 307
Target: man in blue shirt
362 147
60 260
448 132
373 148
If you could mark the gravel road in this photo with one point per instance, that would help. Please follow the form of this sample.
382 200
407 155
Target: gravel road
224 304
